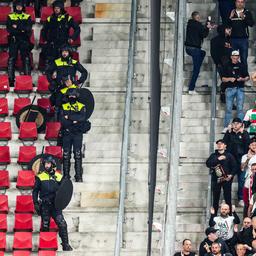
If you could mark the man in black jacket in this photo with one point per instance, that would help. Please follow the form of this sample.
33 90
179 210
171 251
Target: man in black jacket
223 168
240 19
186 249
249 234
195 34
238 141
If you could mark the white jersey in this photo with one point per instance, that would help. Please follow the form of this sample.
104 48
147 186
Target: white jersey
225 226
247 169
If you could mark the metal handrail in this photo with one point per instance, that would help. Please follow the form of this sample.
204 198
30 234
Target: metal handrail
126 124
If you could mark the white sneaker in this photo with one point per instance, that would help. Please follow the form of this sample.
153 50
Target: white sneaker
224 130
241 203
192 92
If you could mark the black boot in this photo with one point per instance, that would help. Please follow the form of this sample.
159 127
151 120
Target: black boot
63 233
66 164
11 71
27 66
78 166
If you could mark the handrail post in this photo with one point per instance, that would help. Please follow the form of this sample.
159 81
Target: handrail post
126 124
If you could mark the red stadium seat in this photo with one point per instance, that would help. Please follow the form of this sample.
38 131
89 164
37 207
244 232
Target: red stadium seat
20 103
23 84
4 56
52 130
24 204
21 253
25 180
48 241
42 85
26 153
28 131
22 241
31 11
5 157
4 12
46 11
4 208
2 241
4 179
1 253
47 253
54 150
5 131
4 111
75 12
4 83
23 222
3 37
3 222
46 104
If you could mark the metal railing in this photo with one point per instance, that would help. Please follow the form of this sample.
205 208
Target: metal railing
126 124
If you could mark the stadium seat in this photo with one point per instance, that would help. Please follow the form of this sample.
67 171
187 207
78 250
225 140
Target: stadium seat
23 222
26 153
24 204
3 222
4 83
4 56
52 130
21 253
3 37
23 84
25 180
4 155
31 11
4 111
75 12
22 241
4 12
54 150
46 11
46 253
48 241
2 241
42 85
28 131
46 104
20 103
4 179
4 208
5 131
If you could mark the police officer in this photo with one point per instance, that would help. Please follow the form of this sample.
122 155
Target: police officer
65 66
73 119
56 32
46 184
19 26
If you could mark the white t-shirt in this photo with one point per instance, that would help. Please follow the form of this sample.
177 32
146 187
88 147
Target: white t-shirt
247 169
225 227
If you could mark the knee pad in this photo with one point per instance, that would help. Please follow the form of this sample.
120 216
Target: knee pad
66 155
78 154
60 221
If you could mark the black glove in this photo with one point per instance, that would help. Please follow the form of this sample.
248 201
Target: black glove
37 209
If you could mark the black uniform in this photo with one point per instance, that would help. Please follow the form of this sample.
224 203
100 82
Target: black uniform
56 32
72 118
19 26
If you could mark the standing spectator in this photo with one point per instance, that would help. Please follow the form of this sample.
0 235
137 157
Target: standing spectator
186 249
250 119
238 141
212 237
195 34
223 167
225 8
240 19
234 75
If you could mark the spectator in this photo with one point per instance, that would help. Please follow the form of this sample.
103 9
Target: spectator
225 8
223 167
250 120
216 250
238 141
247 222
249 234
195 34
225 224
252 204
240 19
212 236
240 249
19 27
234 74
186 249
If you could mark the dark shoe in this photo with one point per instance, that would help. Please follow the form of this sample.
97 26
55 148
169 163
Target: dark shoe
66 247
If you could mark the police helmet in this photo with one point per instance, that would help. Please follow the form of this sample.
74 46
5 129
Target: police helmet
49 159
73 92
18 3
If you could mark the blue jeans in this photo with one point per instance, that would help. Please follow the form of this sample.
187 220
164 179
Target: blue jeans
241 44
231 94
225 7
197 57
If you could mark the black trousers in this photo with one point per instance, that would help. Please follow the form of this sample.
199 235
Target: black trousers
216 190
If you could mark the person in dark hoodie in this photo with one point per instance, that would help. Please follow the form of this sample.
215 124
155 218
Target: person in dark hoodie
223 168
240 19
195 34
212 237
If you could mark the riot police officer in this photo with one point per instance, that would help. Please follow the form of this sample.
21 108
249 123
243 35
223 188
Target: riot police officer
65 66
19 26
46 184
73 120
56 32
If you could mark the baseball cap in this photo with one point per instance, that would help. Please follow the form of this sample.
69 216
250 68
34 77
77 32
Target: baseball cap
235 53
237 120
221 141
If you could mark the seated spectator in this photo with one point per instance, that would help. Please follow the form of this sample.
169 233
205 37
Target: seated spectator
225 223
186 249
238 141
247 222
249 234
250 120
216 250
223 168
225 8
212 237
240 250
240 19
234 75
195 34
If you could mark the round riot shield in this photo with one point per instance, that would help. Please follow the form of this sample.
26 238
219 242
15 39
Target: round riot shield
64 194
86 97
32 113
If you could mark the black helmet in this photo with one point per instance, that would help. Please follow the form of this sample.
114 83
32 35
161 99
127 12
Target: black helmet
49 159
73 92
65 47
18 3
58 3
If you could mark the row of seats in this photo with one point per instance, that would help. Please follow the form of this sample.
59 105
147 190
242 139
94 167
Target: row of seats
46 11
28 253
